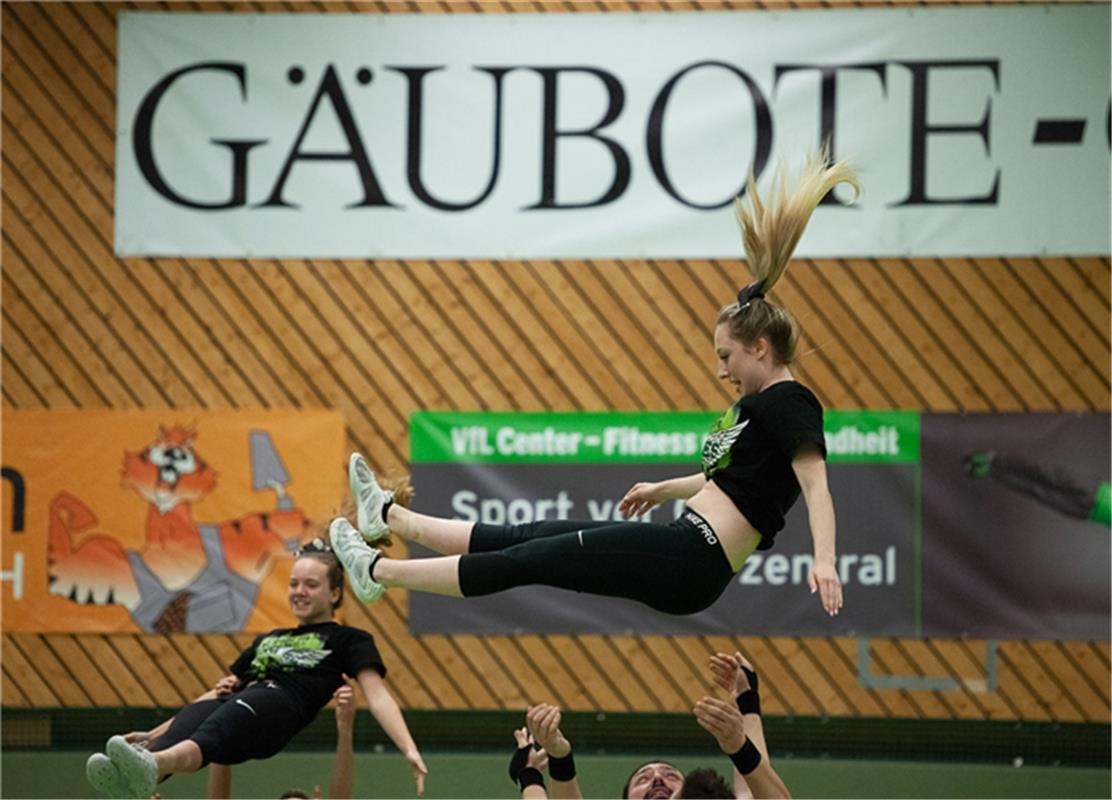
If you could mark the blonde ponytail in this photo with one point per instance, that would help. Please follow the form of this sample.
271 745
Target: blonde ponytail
771 230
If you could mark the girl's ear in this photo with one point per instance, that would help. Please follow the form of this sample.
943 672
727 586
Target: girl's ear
761 347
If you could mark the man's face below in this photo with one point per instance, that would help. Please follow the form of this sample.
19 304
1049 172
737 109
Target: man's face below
655 781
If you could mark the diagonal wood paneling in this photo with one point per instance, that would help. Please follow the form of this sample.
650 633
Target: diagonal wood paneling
381 339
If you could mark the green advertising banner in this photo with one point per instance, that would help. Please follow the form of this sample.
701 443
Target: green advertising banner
462 437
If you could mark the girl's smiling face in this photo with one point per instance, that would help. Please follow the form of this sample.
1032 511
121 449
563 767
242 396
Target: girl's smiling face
310 596
746 367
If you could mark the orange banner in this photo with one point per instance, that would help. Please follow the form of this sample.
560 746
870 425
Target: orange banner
161 521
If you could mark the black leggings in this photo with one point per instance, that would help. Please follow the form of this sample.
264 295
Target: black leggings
678 568
256 722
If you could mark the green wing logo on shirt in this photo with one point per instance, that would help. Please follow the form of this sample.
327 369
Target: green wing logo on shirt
288 652
716 450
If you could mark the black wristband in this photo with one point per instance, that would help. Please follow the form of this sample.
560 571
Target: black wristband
530 776
562 769
518 761
754 683
747 758
749 701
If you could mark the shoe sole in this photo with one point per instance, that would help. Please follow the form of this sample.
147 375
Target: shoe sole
132 768
104 777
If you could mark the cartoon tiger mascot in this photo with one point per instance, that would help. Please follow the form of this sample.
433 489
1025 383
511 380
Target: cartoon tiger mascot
187 576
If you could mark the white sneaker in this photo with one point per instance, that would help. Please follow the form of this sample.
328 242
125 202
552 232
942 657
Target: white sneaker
369 499
104 777
137 768
357 557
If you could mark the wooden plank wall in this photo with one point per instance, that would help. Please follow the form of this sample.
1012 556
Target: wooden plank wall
83 329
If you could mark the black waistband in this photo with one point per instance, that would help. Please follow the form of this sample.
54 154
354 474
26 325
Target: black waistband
698 520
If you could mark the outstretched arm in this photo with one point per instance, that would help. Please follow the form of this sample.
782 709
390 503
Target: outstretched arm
810 471
144 738
223 686
543 721
737 676
340 786
724 722
739 679
385 709
527 766
219 782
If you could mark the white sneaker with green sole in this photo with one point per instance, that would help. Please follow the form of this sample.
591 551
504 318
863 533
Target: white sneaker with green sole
357 557
136 766
370 498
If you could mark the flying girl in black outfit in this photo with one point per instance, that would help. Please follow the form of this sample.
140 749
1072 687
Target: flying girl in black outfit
276 687
764 451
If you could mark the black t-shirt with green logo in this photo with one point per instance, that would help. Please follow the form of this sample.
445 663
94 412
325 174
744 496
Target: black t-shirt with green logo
309 661
750 449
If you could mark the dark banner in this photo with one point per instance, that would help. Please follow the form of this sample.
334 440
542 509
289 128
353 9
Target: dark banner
1015 535
935 534
769 595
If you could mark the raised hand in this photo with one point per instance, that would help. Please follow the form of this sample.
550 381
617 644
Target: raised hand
733 673
537 759
345 704
543 721
727 673
723 721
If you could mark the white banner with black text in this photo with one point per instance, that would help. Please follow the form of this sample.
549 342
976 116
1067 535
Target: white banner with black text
976 131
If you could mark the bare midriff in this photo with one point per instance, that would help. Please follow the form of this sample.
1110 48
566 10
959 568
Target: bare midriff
738 536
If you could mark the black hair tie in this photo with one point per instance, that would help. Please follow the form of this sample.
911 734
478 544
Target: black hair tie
748 294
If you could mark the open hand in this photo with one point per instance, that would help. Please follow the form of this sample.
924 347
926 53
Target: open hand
723 721
641 498
727 673
824 580
138 738
419 770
